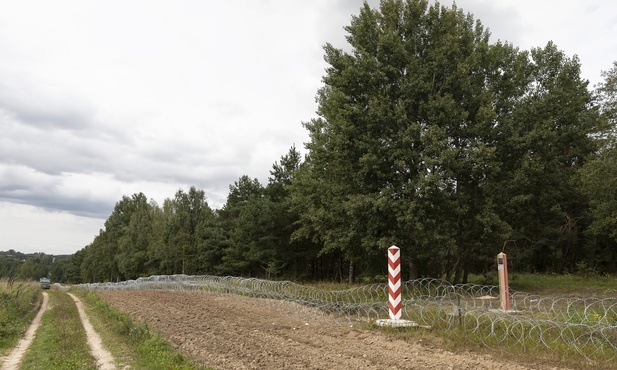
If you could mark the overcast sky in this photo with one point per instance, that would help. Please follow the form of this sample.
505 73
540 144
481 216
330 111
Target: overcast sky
105 98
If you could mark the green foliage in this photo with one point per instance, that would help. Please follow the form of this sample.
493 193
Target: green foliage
244 218
403 148
549 138
19 302
599 181
186 233
29 266
432 138
66 269
161 355
582 285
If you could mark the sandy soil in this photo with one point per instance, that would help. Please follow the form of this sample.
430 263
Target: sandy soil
104 359
229 332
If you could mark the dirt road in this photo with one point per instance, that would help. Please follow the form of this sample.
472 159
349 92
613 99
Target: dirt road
104 359
229 332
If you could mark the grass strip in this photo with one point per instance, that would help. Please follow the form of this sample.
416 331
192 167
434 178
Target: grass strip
60 341
19 302
577 285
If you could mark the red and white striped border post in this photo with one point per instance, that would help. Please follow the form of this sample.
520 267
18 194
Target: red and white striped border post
395 288
394 283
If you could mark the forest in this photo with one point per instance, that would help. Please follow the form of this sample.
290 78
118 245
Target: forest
427 136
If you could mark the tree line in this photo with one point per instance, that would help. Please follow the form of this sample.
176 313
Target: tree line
428 136
33 266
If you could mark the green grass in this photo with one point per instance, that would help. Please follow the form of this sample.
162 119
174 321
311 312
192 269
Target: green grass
492 339
579 285
131 343
504 343
19 302
584 286
60 341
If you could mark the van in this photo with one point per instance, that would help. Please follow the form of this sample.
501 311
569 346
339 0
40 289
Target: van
45 283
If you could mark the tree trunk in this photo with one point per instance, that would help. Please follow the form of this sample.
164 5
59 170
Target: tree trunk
413 270
457 274
449 271
465 275
351 272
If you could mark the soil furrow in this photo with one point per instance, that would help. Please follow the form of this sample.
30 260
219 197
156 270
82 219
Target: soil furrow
231 332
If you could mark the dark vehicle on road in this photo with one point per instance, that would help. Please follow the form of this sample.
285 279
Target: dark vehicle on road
45 283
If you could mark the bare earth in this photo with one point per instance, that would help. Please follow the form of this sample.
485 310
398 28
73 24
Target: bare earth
230 332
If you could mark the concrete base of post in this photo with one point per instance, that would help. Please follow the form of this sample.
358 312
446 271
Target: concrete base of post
396 323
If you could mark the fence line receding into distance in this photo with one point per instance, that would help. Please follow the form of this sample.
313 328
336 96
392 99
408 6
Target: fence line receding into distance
587 326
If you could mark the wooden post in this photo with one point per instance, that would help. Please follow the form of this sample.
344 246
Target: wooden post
504 287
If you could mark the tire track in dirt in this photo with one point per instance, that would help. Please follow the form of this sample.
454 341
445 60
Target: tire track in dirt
104 359
13 360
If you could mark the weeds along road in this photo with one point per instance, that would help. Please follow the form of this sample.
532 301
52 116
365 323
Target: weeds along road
104 359
60 336
14 358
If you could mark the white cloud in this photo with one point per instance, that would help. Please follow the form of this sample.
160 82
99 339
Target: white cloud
30 229
583 28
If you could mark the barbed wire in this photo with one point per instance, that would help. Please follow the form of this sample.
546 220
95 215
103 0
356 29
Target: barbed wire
585 326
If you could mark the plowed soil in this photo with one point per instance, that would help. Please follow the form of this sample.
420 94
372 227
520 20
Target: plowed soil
230 332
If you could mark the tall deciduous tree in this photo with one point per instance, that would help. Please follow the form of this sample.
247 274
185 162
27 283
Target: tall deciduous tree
240 216
426 132
599 179
403 148
546 139
190 213
136 238
120 251
296 258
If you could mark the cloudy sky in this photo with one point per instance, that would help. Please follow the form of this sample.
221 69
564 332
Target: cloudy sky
105 98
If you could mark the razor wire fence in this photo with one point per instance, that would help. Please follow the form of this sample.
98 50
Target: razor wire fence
584 326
